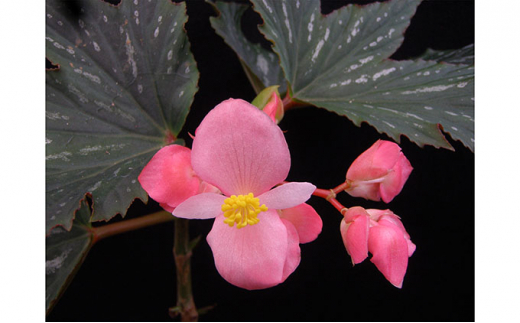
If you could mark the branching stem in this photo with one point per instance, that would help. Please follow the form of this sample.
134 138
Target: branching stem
330 196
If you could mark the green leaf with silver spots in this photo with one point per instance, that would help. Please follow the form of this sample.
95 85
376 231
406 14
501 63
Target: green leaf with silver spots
465 55
65 252
125 83
261 65
340 62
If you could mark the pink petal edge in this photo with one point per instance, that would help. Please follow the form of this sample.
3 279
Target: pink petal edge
306 221
293 250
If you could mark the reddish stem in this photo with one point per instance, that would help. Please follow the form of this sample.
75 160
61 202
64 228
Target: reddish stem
330 196
288 103
326 194
341 187
129 225
335 203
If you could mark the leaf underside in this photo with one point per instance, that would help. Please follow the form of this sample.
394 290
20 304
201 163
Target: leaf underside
126 79
340 62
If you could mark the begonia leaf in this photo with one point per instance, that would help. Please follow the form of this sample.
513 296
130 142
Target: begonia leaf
340 62
465 55
125 83
65 252
261 65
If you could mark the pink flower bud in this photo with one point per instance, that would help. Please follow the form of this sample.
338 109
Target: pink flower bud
269 101
274 108
378 173
381 233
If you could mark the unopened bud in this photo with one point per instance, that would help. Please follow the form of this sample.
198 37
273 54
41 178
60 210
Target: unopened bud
269 101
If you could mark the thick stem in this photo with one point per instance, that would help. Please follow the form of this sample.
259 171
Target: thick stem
130 225
182 253
288 103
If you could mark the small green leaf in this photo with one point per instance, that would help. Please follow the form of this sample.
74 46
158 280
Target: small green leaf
65 252
261 66
125 83
340 62
263 97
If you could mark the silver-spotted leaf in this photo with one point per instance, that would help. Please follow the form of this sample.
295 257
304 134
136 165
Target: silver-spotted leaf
65 252
403 98
261 65
125 83
465 55
340 62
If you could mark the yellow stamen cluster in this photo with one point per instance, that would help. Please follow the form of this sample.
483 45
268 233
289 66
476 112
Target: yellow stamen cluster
242 210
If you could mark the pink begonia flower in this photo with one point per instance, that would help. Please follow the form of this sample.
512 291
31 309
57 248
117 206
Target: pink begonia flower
381 233
378 173
239 149
169 178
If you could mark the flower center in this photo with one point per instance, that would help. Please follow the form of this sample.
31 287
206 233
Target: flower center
242 210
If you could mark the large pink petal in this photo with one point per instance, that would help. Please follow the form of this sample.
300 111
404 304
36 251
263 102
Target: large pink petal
390 252
254 256
201 206
293 250
287 195
239 149
305 219
354 230
168 177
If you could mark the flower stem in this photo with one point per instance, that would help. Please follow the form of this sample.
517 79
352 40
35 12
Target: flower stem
109 230
338 205
182 254
330 196
326 194
341 187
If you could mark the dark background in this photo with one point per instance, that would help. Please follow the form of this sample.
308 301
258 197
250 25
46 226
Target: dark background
131 277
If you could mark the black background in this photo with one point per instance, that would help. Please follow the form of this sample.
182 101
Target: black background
131 277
